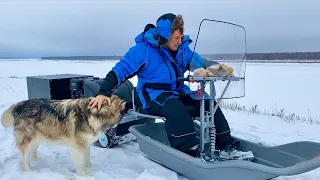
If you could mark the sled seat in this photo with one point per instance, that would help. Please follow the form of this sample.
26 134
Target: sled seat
137 109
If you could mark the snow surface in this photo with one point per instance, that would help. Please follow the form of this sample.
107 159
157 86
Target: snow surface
289 86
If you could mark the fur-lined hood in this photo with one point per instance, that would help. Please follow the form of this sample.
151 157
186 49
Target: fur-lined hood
166 25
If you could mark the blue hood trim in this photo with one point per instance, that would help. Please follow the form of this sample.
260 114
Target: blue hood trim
151 35
164 28
139 38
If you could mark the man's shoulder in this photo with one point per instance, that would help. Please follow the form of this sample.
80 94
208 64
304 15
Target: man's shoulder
142 46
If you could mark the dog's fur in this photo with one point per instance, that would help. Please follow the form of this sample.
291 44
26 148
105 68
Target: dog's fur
67 122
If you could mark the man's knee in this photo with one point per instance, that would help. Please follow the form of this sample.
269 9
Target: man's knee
171 107
174 107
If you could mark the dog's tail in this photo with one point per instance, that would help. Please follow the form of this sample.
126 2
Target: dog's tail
7 118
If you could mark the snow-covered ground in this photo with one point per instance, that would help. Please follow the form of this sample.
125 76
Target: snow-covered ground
290 86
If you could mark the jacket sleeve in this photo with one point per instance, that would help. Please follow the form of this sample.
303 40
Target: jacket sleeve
195 61
109 83
128 66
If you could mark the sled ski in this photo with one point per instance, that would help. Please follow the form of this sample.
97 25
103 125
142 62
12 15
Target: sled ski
269 162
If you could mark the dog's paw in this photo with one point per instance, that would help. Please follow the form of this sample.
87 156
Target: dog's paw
84 173
36 158
90 165
24 168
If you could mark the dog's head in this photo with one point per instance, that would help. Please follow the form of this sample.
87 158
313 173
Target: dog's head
110 114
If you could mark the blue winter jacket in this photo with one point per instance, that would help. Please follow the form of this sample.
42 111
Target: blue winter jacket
156 69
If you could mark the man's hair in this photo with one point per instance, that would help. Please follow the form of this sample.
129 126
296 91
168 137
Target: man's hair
177 24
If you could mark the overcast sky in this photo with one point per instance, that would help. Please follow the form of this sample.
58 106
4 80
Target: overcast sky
97 27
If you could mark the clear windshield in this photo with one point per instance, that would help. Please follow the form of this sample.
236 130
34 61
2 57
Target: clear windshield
224 43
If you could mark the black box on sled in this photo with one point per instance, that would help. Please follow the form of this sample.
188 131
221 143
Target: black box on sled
57 86
76 87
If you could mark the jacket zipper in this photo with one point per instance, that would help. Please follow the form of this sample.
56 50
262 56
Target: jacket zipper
166 64
168 69
174 66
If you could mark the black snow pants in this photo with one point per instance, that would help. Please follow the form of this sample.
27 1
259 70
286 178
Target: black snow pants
179 122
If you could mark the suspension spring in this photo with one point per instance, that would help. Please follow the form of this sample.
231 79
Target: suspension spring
212 132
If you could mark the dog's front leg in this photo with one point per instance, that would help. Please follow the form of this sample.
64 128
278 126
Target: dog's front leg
78 156
88 162
34 154
25 150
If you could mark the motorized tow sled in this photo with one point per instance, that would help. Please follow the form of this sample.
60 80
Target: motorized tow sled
269 162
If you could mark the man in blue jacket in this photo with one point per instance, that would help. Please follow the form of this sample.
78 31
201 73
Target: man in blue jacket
160 56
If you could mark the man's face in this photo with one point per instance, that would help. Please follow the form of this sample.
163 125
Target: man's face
175 40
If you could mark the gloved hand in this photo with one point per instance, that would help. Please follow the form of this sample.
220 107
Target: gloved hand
214 70
219 70
200 72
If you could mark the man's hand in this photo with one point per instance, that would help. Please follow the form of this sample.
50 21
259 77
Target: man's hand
98 100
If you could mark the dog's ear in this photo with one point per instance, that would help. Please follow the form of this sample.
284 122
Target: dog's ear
123 105
114 97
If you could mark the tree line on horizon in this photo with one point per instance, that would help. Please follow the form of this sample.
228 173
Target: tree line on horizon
250 56
284 56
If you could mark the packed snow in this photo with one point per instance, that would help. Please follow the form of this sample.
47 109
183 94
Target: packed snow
269 86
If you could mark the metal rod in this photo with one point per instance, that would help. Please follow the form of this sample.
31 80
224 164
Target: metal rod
212 127
220 99
202 119
133 105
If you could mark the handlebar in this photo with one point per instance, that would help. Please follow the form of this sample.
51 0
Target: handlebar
191 78
183 78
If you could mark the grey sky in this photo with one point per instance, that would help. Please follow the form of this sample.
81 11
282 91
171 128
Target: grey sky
96 27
